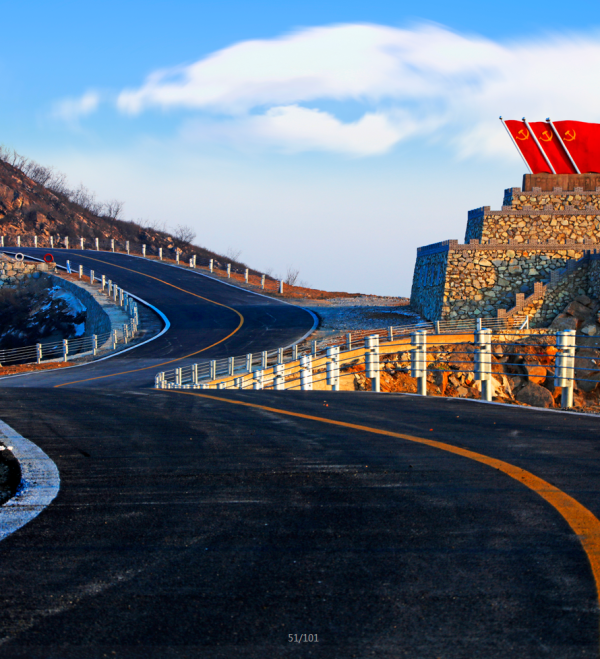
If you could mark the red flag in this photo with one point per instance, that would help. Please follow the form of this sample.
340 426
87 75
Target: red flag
528 147
582 139
552 147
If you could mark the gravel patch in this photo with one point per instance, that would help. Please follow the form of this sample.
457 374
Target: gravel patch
341 315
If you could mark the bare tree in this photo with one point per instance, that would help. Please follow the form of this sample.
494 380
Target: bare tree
153 225
291 276
58 184
39 173
184 233
233 254
113 209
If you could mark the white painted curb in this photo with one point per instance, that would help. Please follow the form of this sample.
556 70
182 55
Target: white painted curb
40 482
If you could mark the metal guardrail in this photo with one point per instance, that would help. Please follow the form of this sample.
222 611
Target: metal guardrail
203 373
488 359
85 345
217 266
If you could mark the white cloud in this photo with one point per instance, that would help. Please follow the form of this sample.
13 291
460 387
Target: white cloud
408 81
292 128
71 109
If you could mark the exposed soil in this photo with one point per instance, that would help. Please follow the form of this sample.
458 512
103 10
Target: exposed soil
26 368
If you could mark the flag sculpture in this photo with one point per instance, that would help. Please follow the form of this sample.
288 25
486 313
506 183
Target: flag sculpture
560 147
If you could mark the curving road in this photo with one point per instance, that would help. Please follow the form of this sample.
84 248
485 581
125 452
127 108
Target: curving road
216 524
209 320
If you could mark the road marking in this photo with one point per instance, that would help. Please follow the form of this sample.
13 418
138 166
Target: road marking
171 361
40 482
581 520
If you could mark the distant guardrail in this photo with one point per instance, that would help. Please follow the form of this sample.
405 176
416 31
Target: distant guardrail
220 267
205 374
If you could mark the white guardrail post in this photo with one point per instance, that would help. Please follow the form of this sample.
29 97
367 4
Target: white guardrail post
35 241
97 244
38 349
211 265
115 338
65 349
258 380
246 275
249 362
262 282
372 360
80 272
228 270
279 382
66 242
51 241
94 344
160 253
81 243
564 371
144 251
127 246
265 357
333 368
178 376
195 374
112 244
213 369
483 362
418 360
230 365
306 383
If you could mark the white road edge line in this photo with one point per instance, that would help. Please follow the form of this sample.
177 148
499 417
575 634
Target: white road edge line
40 482
165 320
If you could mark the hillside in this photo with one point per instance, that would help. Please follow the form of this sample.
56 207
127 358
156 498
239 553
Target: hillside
36 201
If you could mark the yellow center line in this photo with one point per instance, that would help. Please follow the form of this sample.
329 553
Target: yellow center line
581 520
171 361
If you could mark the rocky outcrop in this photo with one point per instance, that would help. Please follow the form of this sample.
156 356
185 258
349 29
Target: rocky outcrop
522 373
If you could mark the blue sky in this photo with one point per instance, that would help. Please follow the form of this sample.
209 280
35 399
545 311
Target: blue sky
332 137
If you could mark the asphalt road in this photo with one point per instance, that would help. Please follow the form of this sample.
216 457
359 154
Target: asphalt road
196 526
202 313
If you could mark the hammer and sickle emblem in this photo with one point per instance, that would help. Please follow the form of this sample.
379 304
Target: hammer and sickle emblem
546 136
570 135
523 133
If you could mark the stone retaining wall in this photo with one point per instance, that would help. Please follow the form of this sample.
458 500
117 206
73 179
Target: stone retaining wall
480 279
13 271
96 319
557 296
541 225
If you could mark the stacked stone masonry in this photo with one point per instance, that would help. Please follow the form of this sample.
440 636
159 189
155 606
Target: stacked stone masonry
514 258
96 321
